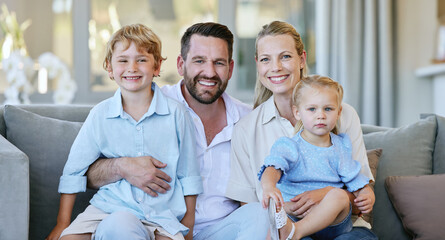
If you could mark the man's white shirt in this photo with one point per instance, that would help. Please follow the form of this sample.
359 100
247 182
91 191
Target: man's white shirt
214 160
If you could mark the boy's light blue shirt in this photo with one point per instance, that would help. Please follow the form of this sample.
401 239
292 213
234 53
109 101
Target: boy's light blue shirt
165 132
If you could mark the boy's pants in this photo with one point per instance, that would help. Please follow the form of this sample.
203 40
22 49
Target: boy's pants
118 225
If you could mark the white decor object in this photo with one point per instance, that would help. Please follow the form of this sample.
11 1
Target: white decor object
58 71
18 68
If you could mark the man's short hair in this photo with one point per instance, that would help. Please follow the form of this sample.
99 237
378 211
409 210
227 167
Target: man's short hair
208 29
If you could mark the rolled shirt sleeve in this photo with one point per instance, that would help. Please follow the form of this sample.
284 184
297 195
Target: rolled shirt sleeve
83 153
188 170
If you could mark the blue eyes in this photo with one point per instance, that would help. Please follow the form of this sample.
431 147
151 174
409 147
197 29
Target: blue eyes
327 109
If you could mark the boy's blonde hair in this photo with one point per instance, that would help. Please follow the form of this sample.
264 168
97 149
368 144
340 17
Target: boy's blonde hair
316 81
142 36
276 28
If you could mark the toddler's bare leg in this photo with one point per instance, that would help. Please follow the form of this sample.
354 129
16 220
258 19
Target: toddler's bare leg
333 209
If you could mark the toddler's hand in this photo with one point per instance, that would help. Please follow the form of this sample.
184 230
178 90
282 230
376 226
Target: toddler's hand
272 192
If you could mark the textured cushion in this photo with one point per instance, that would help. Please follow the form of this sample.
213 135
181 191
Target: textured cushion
418 201
406 151
373 160
46 141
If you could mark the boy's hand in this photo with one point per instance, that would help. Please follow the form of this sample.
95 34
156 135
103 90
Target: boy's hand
365 199
272 192
144 173
55 233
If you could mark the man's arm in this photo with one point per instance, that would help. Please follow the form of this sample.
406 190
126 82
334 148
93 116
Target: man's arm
142 172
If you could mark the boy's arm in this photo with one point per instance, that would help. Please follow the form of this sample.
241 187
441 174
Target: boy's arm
142 172
64 216
189 218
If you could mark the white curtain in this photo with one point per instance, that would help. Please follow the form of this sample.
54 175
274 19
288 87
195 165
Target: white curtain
354 46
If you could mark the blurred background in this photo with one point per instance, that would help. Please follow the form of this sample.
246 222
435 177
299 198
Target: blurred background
375 48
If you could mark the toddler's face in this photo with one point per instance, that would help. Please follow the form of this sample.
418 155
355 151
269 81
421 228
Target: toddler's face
133 70
318 109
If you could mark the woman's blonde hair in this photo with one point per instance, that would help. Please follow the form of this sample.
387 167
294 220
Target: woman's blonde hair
142 36
316 81
273 29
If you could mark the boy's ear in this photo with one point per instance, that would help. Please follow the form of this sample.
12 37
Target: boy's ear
158 70
339 110
110 71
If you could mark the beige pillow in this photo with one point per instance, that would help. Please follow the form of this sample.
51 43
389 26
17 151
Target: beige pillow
419 202
373 160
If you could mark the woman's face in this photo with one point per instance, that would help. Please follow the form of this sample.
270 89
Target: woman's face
278 64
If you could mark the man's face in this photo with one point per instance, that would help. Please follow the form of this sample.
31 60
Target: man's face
207 69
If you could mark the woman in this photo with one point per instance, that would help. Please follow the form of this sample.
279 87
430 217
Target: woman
281 63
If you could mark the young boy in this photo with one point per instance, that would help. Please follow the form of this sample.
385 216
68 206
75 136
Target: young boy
137 121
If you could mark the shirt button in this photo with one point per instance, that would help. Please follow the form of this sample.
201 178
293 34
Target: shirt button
139 154
138 128
140 199
147 216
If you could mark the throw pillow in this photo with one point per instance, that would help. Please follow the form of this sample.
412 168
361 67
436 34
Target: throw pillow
373 160
418 201
46 142
406 151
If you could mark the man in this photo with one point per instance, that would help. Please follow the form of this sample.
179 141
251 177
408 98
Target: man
206 64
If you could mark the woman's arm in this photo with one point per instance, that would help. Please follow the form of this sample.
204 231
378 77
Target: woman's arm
350 124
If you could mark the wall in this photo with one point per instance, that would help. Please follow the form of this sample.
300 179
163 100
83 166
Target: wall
416 31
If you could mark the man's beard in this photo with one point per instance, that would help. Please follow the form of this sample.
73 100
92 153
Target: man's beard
191 85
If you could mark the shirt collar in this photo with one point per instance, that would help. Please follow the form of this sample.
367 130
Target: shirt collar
270 110
158 104
231 112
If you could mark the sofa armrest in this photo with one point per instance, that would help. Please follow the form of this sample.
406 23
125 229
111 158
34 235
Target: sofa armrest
14 192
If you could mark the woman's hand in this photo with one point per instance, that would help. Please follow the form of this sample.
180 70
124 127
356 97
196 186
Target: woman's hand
365 199
300 205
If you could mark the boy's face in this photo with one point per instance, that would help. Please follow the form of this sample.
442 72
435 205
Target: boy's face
207 69
132 69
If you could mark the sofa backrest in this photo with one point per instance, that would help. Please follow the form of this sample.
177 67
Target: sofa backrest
73 113
407 151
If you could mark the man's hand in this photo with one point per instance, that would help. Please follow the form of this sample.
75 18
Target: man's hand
145 173
142 172
302 204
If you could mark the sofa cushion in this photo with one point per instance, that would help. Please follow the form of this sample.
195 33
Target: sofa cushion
46 142
418 201
406 151
439 150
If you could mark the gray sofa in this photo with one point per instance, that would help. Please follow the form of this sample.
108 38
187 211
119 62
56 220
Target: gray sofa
35 141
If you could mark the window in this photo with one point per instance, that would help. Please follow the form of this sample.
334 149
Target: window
91 23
